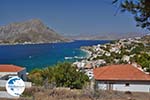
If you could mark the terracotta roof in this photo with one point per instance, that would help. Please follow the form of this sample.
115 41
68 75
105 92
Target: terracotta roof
10 68
120 72
88 66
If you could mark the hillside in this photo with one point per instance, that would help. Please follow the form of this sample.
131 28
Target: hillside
38 93
31 31
107 36
146 39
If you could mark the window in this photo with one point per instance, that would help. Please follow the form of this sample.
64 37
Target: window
127 84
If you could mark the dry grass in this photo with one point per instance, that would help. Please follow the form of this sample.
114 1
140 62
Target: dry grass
85 94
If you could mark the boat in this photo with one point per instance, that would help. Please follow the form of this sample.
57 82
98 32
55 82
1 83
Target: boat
68 58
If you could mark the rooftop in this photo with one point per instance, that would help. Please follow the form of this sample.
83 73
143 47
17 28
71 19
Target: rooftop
120 72
10 68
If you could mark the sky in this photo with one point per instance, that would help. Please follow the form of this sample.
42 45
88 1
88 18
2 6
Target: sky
70 17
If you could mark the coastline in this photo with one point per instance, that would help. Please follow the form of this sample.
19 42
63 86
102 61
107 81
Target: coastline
51 42
88 53
45 55
29 43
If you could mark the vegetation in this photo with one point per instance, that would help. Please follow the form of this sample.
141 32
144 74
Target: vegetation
37 93
143 60
60 75
139 8
136 50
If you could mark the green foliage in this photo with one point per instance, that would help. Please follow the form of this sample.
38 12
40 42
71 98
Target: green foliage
35 76
139 8
137 50
113 41
124 52
62 74
108 59
143 60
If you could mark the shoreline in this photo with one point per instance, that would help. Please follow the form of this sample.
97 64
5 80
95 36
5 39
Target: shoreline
32 62
29 43
53 42
88 53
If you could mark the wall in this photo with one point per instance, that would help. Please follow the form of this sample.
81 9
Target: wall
3 84
4 75
121 86
132 87
22 75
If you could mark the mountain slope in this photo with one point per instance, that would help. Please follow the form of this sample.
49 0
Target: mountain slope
108 36
33 31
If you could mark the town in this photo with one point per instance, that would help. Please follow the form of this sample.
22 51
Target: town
123 51
121 65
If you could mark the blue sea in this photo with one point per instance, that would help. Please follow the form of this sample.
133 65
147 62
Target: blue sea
43 55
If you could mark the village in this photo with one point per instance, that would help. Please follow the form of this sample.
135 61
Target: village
113 66
124 52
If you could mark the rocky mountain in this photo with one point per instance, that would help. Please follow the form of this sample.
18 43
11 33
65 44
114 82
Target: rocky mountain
31 31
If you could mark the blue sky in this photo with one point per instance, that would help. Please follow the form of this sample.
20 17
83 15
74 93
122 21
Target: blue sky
69 16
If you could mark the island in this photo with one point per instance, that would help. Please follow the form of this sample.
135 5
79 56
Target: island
29 32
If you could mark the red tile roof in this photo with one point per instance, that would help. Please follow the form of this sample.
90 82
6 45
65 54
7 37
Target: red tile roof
10 68
120 72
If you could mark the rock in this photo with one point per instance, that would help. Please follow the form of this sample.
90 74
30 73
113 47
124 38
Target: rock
31 31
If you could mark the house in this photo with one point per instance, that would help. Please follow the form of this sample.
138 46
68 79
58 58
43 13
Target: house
123 77
89 73
125 58
107 54
7 71
88 65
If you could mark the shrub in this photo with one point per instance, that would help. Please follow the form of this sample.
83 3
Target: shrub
62 74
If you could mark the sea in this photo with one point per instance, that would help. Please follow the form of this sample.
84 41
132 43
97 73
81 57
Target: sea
33 56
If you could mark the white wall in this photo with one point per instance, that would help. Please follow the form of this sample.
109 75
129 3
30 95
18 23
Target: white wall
102 86
6 73
3 84
5 94
122 87
21 74
132 87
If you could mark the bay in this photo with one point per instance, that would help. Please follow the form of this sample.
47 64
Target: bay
34 56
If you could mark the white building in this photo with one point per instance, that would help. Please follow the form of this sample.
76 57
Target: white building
107 54
123 77
125 58
114 49
7 71
89 73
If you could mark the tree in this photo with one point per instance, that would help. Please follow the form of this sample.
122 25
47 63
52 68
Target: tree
36 77
62 74
144 61
67 75
136 50
139 8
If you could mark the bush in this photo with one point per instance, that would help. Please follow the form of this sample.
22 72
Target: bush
62 74
144 61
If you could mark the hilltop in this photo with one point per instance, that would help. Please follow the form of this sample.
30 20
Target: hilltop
31 31
106 36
